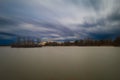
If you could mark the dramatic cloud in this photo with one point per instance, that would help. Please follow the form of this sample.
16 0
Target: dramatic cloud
60 19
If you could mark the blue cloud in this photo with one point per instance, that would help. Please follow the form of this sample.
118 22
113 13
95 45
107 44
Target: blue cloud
59 19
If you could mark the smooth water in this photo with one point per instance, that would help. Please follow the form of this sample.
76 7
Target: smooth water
60 63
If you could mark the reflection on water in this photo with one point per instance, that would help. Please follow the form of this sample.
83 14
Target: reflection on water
60 63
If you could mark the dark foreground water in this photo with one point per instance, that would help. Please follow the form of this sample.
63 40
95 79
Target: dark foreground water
60 63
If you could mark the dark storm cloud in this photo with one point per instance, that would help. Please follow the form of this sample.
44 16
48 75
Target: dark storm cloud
115 16
94 24
8 34
60 19
6 22
6 38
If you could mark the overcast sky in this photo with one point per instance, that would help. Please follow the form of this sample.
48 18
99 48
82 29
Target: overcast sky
59 19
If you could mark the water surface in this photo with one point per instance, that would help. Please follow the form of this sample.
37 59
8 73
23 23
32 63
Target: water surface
60 63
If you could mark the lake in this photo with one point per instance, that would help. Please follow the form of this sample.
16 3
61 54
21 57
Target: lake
60 63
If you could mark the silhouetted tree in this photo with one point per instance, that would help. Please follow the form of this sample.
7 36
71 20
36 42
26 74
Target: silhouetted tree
117 41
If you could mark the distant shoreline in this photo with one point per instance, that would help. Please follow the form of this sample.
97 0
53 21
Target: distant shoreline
55 46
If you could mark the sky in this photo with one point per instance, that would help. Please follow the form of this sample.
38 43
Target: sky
59 19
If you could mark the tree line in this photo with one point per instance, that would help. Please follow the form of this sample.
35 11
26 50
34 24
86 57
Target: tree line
87 42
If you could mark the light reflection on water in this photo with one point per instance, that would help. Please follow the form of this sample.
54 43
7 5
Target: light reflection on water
60 63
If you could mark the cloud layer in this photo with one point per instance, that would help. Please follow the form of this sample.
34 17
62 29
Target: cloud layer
60 19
